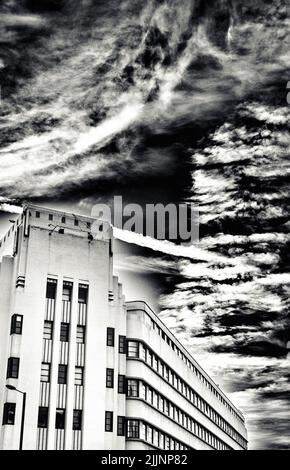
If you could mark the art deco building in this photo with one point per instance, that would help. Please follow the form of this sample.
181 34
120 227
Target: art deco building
98 373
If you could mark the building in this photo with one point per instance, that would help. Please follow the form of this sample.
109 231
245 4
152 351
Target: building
99 373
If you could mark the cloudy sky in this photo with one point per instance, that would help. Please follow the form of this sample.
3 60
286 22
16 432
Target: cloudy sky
168 101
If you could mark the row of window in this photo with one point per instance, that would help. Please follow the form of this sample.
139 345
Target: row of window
134 429
111 340
13 371
59 418
62 374
139 389
146 432
10 410
67 290
109 423
189 364
63 220
17 325
64 331
110 381
136 349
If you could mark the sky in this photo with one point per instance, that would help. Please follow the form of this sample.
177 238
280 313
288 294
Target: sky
168 101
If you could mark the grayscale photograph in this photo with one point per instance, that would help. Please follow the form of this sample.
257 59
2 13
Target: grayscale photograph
144 227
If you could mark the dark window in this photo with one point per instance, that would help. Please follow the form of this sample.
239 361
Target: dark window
79 376
122 344
108 421
63 220
77 420
121 426
121 384
13 368
89 225
47 330
110 378
50 217
62 374
66 291
110 337
16 324
51 290
64 332
76 222
42 417
132 388
133 349
83 295
37 214
9 413
81 333
59 418
45 372
133 428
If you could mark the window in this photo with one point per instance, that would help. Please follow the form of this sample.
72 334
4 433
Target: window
132 388
62 374
88 225
133 428
66 291
50 217
81 333
149 434
121 422
13 368
110 378
59 418
16 324
37 214
76 222
143 353
108 421
9 413
82 294
42 417
121 384
45 372
110 337
122 344
150 358
64 332
150 395
79 376
133 349
77 420
51 289
47 330
166 407
144 391
167 442
63 219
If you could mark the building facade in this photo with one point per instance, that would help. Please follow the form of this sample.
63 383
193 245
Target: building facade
98 373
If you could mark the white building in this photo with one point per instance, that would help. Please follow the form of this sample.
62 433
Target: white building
98 373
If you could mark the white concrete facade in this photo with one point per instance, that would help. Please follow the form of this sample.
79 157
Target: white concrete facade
98 373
